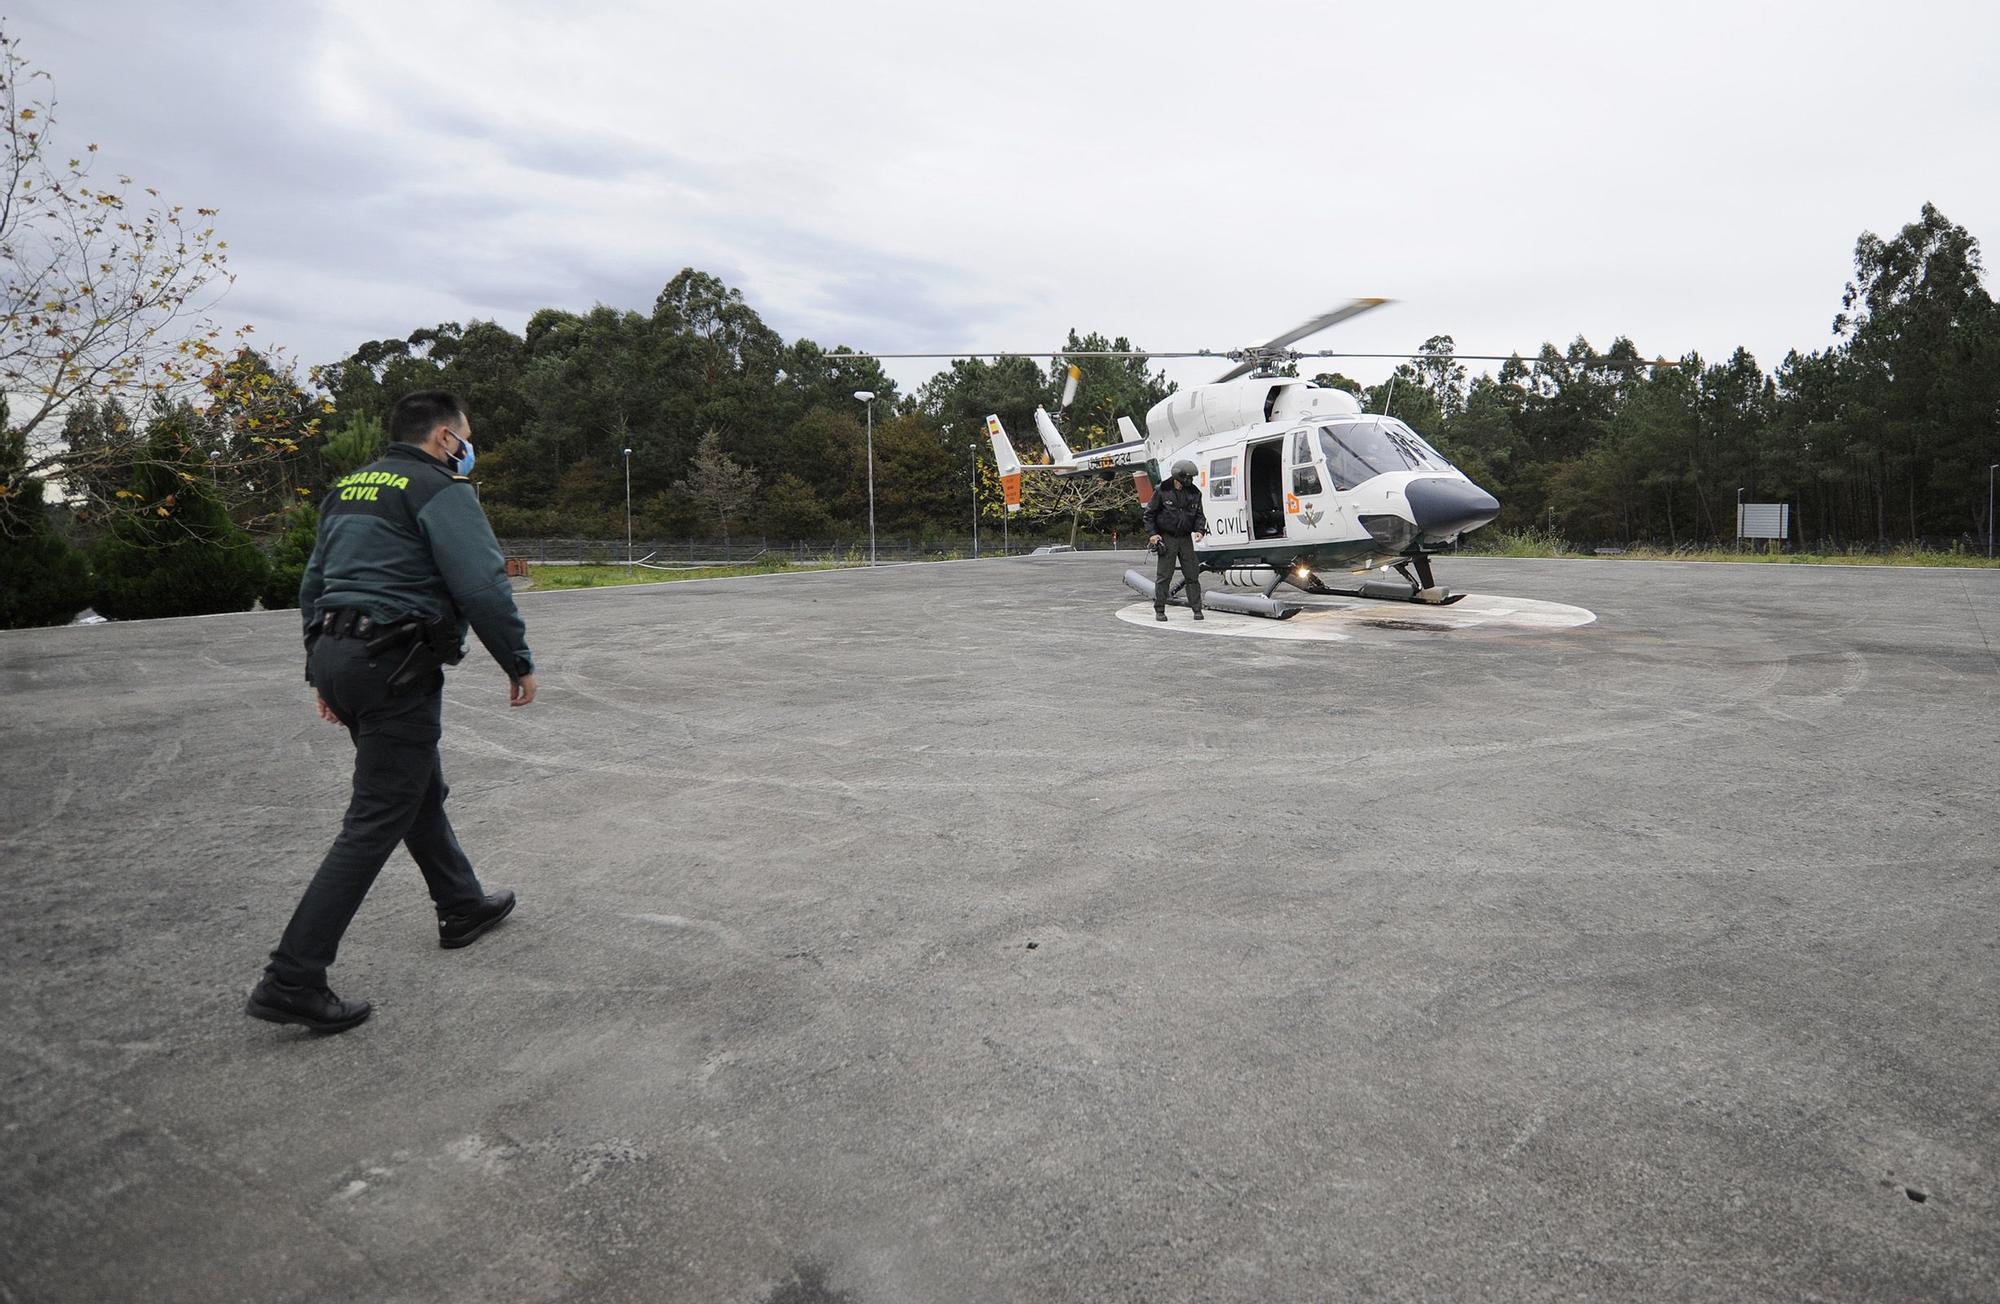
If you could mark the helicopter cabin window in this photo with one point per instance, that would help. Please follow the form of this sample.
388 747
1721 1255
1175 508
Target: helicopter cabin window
1222 478
1305 476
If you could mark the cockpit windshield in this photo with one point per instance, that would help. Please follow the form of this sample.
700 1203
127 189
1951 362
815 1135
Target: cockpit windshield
1370 446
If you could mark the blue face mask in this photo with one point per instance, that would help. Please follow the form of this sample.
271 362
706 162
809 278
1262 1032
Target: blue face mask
462 464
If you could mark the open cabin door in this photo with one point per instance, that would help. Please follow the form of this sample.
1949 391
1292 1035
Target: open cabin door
1267 489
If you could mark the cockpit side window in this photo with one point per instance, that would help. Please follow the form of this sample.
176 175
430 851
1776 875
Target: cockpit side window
1305 476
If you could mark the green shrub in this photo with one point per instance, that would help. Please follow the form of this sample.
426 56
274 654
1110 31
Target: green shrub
43 581
176 553
1528 541
289 555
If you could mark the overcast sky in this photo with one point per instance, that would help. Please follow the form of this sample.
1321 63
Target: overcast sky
901 176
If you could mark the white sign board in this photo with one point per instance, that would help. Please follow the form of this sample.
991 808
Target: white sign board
1763 520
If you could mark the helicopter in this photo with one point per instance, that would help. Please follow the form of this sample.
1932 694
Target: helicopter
1301 486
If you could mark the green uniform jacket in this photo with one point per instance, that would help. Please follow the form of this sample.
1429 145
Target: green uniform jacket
404 537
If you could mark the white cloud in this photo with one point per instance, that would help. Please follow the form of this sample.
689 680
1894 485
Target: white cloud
900 175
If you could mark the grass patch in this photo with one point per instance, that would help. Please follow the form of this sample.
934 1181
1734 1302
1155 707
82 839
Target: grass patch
1533 542
613 575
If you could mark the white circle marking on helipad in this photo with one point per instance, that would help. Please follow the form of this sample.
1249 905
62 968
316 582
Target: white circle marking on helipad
1339 620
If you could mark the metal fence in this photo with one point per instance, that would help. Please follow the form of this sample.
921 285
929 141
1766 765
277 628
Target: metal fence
1964 544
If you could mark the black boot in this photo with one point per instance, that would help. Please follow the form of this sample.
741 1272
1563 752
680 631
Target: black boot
309 1007
1197 613
1159 613
455 931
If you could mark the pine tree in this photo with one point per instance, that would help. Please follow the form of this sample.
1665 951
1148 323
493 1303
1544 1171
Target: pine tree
178 554
723 488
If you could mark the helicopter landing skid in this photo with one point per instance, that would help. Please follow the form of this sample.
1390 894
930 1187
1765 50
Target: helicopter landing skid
1240 604
1419 588
1385 591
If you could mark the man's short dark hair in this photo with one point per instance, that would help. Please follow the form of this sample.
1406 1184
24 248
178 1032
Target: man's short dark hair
416 415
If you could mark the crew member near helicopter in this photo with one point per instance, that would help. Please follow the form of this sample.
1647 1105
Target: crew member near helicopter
404 561
1174 520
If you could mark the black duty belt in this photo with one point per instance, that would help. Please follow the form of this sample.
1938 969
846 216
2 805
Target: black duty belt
347 622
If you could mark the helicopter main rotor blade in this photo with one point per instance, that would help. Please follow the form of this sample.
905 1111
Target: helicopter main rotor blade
1598 360
1278 348
1353 308
1294 355
1265 355
1041 353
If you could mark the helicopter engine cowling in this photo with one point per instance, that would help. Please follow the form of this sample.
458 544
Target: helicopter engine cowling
1202 410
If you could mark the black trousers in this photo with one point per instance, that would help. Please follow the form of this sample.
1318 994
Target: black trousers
1177 548
399 795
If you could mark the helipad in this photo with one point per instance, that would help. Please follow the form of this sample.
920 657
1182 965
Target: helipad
931 934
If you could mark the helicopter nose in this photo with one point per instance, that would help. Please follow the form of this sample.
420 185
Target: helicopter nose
1442 508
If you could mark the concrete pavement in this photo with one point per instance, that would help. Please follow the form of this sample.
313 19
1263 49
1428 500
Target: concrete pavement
931 935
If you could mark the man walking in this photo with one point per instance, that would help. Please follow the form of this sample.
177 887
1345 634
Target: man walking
404 560
1174 520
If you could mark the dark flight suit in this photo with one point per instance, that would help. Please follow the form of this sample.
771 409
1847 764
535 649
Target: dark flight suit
1176 515
401 537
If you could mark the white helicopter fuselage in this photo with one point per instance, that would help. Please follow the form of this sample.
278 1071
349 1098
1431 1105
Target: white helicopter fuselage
1292 476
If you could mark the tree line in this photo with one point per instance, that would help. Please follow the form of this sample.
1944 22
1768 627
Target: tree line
1881 438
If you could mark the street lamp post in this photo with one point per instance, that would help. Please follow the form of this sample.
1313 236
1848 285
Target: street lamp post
867 398
1989 509
974 448
628 511
1739 516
